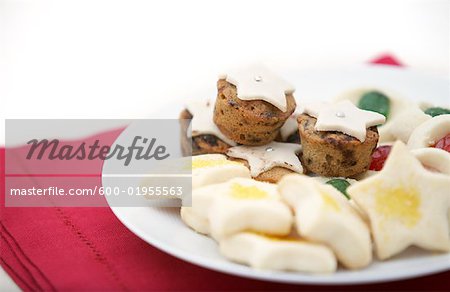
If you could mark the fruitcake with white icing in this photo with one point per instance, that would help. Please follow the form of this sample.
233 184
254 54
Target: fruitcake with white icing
203 136
402 115
200 144
252 105
338 139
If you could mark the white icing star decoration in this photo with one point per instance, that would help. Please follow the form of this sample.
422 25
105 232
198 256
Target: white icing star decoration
266 157
406 204
343 117
202 121
259 83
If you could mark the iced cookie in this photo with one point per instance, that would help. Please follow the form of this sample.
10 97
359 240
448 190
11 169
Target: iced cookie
406 122
337 138
246 204
324 215
270 162
238 205
383 102
215 168
434 159
278 253
432 133
252 105
203 136
406 205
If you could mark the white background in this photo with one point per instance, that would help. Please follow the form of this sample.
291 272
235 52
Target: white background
127 58
121 59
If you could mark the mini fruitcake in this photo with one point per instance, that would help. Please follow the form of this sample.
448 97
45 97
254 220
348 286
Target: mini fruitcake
338 139
251 107
335 154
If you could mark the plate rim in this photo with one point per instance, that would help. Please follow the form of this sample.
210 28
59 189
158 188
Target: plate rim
274 276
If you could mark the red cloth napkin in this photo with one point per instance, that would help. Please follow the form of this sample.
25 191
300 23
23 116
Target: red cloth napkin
89 249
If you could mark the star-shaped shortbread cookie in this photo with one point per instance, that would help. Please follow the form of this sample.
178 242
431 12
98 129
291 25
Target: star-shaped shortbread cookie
256 82
238 205
343 117
278 253
266 157
324 215
406 204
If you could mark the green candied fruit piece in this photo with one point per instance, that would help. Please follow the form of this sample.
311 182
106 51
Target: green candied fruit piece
341 185
376 102
437 111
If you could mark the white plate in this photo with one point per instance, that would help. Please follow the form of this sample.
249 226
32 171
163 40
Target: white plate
163 228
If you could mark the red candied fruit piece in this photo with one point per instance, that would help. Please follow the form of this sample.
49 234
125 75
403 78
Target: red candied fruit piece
444 143
379 157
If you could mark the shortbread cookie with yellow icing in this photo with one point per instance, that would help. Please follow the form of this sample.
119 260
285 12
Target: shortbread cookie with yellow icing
428 133
201 135
252 104
387 103
215 168
337 139
406 205
269 162
246 204
237 205
324 215
278 253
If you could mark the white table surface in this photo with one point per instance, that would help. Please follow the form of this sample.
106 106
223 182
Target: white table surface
126 59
